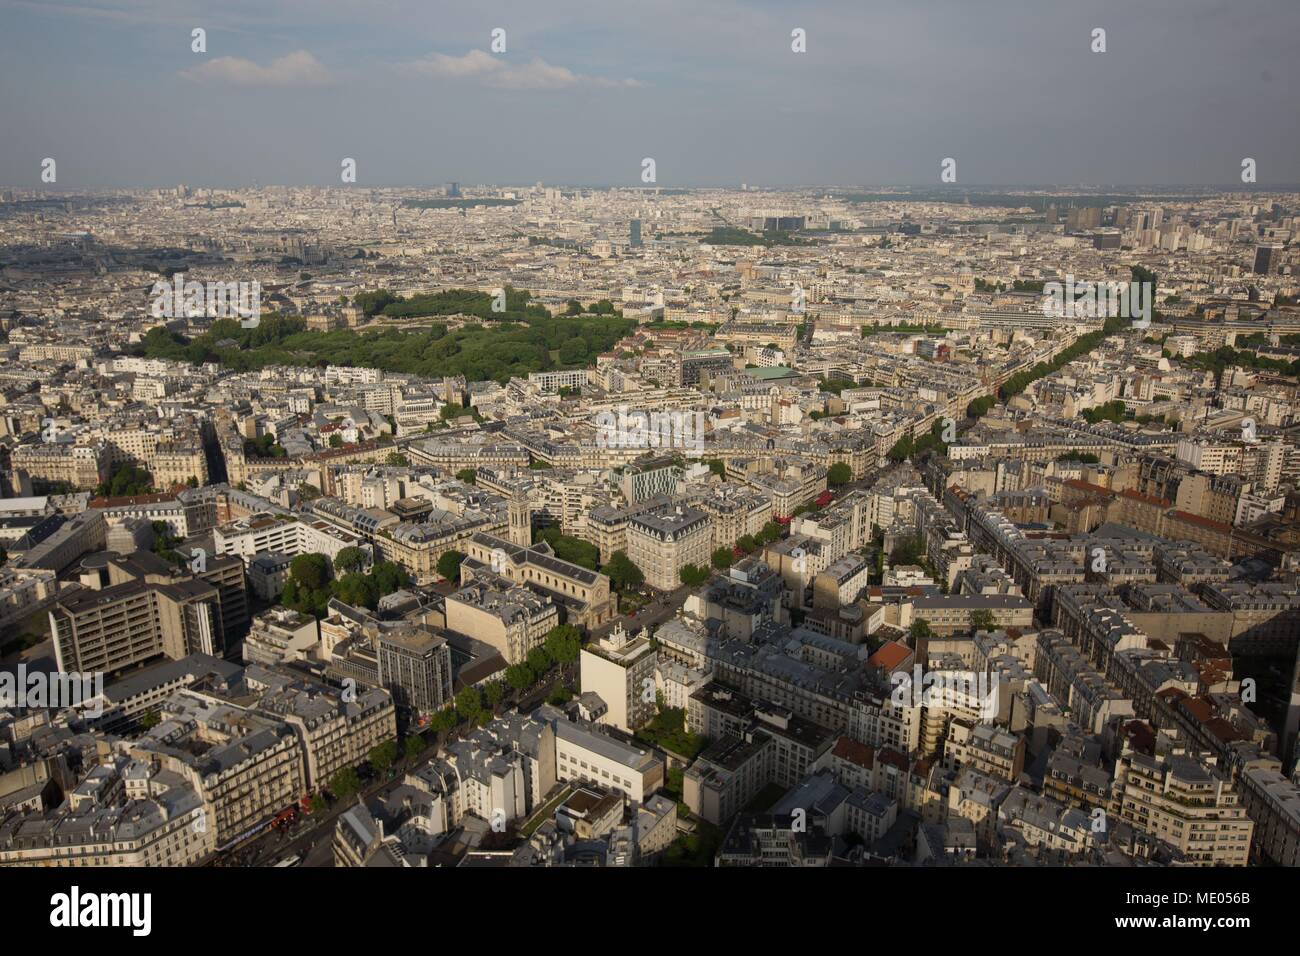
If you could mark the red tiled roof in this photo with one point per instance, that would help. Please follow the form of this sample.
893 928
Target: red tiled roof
889 656
855 752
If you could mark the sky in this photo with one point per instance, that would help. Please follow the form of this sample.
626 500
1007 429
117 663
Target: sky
710 89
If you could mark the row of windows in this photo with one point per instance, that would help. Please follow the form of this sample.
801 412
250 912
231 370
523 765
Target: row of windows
576 763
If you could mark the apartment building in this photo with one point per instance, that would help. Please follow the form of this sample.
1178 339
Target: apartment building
245 765
1180 801
1073 681
269 533
583 753
336 729
621 669
415 665
81 467
663 541
279 635
125 813
988 749
511 618
1272 801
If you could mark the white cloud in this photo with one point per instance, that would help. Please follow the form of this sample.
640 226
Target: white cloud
299 68
497 72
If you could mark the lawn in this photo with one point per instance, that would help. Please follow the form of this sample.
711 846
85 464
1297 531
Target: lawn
668 731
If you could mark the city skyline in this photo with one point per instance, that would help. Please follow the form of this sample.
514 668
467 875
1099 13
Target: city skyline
712 91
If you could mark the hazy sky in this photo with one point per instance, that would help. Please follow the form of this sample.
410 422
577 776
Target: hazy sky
709 88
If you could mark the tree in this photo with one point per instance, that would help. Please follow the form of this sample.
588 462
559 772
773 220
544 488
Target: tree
839 474
345 784
494 693
383 756
693 575
397 459
351 559
127 480
981 619
920 630
357 590
444 720
907 551
563 644
389 577
539 661
573 351
902 449
519 677
722 558
448 565
770 532
573 550
469 704
622 572
467 475
336 440
413 746
310 570
747 543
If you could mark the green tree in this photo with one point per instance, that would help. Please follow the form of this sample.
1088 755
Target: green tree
573 351
573 550
467 475
563 644
389 576
539 661
351 559
444 720
494 693
383 756
920 630
448 565
907 551
310 570
839 474
469 704
125 481
693 575
520 677
981 619
622 572
413 746
722 558
355 589
397 459
336 440
345 784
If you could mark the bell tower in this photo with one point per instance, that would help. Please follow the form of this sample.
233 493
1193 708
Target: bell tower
521 519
